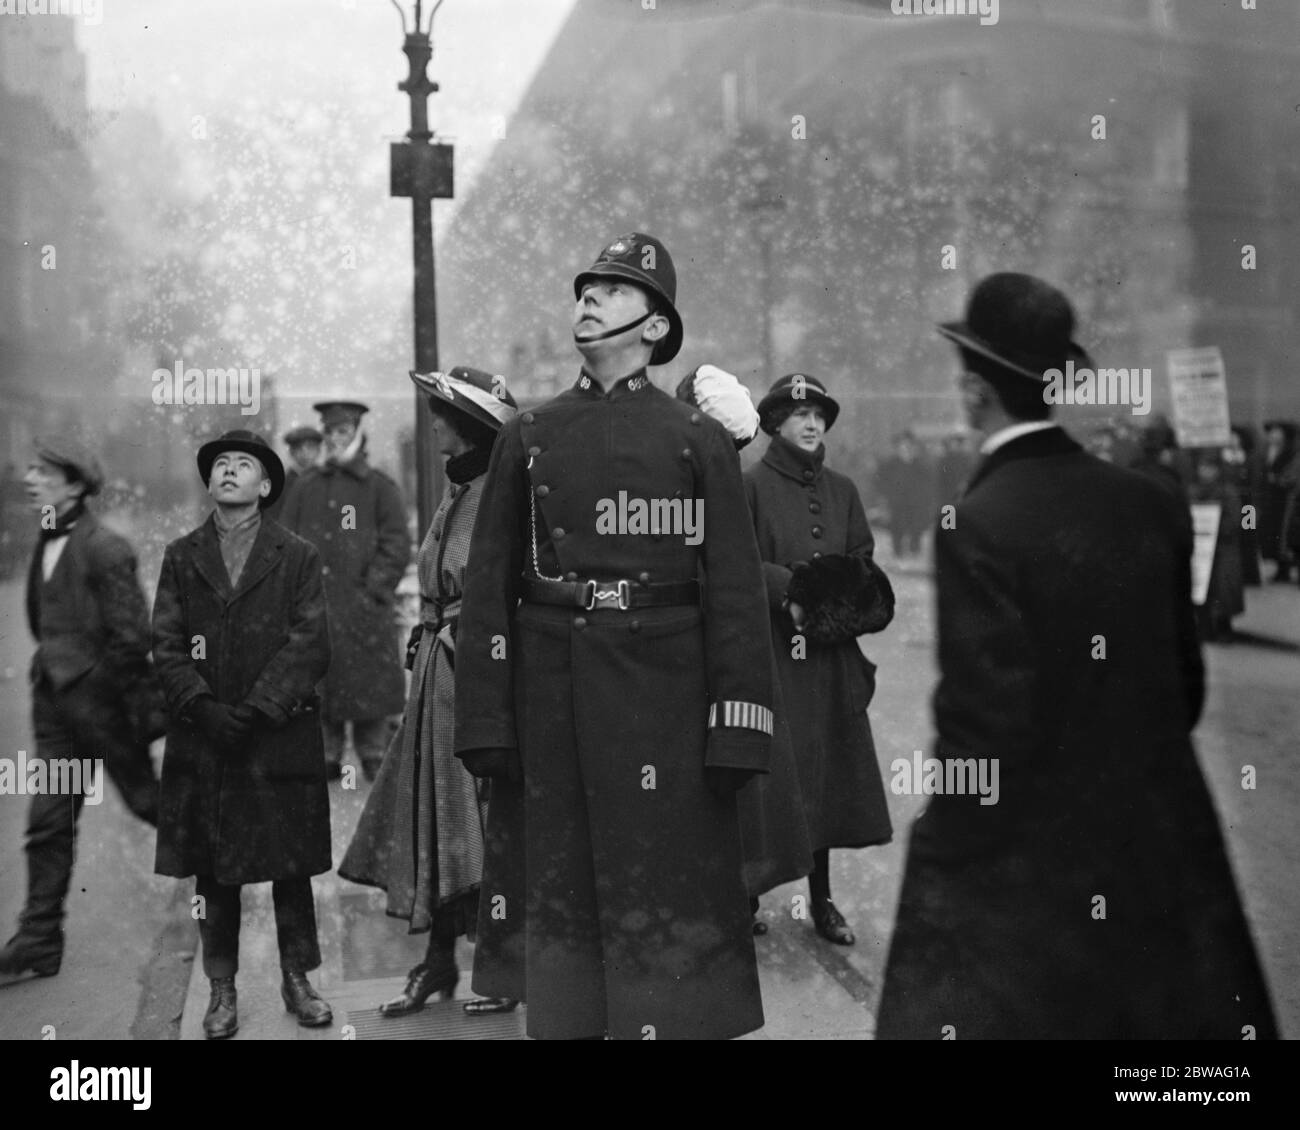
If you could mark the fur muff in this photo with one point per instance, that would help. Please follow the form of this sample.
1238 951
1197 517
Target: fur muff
842 596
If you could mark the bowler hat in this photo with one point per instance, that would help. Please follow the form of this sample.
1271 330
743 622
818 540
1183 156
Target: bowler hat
340 411
1022 323
642 259
304 433
480 396
251 444
798 389
76 460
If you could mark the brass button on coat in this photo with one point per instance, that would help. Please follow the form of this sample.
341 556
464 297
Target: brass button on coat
543 491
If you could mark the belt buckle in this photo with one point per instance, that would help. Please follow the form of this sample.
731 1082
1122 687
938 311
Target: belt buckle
618 597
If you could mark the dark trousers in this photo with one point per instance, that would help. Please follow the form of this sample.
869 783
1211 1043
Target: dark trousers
81 721
295 925
370 736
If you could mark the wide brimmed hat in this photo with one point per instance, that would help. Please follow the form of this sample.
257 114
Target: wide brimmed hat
1022 323
340 411
75 458
304 433
479 395
798 389
719 394
642 259
252 444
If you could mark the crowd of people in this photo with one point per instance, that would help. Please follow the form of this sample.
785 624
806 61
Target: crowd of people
616 739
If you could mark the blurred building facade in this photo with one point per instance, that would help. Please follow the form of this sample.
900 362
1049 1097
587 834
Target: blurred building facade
832 180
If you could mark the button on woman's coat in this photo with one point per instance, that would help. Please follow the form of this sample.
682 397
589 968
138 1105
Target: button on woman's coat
259 812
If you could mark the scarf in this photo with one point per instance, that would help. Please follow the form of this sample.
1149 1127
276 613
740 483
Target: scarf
235 539
468 465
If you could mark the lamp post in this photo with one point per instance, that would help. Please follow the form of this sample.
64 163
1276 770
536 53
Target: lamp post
422 169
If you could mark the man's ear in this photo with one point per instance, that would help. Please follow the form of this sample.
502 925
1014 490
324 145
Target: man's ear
655 329
265 488
975 391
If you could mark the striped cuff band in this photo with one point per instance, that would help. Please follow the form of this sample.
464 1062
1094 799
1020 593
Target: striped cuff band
748 715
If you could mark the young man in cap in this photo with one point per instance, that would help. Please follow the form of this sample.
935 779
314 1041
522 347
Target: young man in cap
304 445
240 640
353 514
1087 896
616 704
90 678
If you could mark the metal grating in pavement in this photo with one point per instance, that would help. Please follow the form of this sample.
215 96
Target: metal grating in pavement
443 1020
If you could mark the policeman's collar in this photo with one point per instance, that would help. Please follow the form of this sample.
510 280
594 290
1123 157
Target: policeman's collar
587 385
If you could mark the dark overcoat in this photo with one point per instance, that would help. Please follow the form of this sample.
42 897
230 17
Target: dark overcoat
364 551
1094 899
636 915
260 812
802 509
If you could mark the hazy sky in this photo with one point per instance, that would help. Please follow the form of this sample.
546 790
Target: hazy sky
185 57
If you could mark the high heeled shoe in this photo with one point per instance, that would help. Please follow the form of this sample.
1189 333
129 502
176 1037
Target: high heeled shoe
484 1005
421 983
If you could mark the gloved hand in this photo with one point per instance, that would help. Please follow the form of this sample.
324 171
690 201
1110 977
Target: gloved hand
413 645
725 781
493 762
227 726
271 716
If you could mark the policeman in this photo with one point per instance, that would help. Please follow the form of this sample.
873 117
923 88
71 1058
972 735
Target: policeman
618 708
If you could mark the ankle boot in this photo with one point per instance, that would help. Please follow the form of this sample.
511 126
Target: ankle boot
222 1018
421 983
304 1001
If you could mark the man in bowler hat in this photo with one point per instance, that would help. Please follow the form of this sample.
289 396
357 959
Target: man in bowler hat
1091 898
90 681
621 910
241 640
353 514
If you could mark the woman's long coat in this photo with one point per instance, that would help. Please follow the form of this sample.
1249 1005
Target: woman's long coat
420 837
801 510
259 812
631 912
364 551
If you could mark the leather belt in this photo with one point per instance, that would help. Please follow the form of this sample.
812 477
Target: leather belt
622 595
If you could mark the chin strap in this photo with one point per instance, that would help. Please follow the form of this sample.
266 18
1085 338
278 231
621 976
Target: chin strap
614 332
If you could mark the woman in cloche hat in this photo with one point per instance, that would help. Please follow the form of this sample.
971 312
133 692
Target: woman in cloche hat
824 590
421 835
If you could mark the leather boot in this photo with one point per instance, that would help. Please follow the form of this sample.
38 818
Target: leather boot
421 983
222 1018
830 923
27 956
304 1001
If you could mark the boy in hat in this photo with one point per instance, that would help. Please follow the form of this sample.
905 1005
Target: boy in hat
1088 894
240 640
353 514
636 919
89 681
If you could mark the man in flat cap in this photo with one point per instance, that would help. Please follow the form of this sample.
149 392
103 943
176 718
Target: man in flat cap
90 684
353 514
241 640
304 444
1088 895
615 701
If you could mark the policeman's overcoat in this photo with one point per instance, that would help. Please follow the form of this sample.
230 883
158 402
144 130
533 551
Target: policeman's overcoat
636 915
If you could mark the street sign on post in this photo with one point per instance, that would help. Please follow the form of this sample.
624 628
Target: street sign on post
422 169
